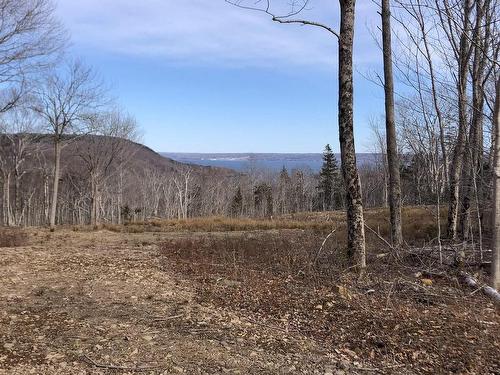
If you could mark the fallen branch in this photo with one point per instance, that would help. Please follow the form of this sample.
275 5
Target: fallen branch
161 319
380 237
323 245
113 367
488 290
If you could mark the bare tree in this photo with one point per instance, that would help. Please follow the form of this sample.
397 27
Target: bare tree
17 145
421 30
345 35
380 150
30 36
484 42
450 43
183 183
495 270
67 101
456 24
105 152
390 129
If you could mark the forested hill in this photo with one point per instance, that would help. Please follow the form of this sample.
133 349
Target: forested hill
132 156
100 176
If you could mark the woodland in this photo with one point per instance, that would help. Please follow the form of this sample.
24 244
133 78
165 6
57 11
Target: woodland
108 248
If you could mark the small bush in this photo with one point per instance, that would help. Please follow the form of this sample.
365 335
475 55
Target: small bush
10 237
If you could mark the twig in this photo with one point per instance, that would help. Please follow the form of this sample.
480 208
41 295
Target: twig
380 237
159 319
113 367
322 245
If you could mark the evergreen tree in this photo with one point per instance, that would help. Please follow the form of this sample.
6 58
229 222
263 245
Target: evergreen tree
329 181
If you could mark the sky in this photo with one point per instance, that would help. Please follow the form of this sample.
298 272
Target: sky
205 76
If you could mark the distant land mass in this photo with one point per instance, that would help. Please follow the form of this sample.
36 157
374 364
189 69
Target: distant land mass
271 161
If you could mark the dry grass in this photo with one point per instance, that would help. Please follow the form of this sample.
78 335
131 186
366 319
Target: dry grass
13 237
419 224
284 252
247 302
389 317
227 224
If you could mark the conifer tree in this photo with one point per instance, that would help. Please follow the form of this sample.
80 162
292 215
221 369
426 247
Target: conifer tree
328 188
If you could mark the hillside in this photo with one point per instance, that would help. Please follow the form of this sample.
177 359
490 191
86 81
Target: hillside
110 178
139 155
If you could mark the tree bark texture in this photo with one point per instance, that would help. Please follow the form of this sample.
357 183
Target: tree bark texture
355 221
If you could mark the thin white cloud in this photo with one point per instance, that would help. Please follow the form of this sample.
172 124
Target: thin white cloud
209 32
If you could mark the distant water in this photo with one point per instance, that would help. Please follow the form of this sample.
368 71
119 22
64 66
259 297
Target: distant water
274 162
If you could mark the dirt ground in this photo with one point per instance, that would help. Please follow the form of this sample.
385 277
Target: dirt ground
106 303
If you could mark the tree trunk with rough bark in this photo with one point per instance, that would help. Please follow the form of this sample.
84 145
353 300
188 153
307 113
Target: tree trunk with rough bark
390 130
495 270
355 220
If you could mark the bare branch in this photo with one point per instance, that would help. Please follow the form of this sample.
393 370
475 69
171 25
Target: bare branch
285 19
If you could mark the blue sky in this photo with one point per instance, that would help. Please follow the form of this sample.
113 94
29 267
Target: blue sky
203 76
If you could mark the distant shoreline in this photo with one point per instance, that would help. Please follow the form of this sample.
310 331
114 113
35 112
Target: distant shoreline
269 161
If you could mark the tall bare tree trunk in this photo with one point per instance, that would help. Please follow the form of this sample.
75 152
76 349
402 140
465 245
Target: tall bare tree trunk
495 270
120 196
17 196
428 57
94 210
390 130
458 154
55 188
355 220
8 207
473 158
